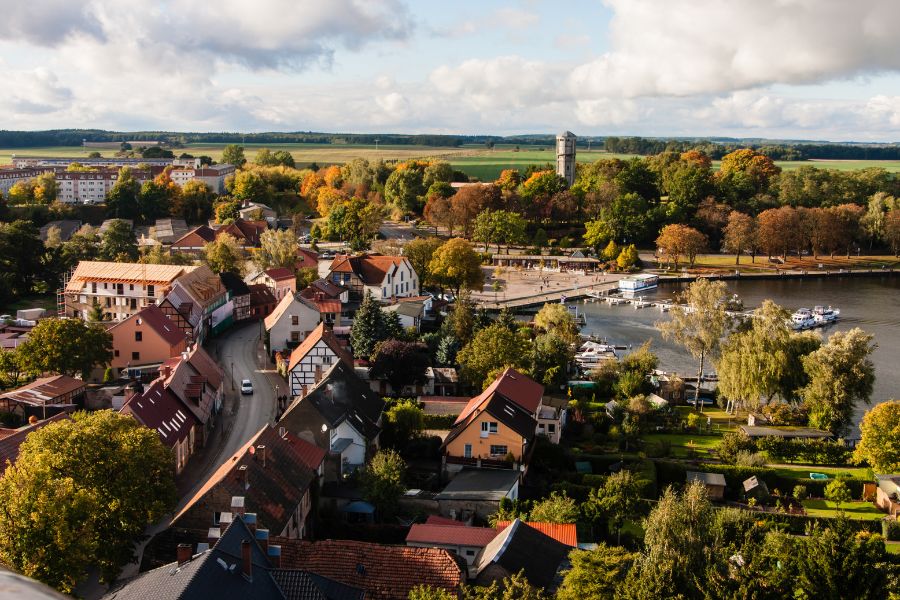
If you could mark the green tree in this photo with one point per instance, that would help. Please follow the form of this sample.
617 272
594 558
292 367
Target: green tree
277 248
598 234
233 154
491 350
405 421
21 254
370 327
382 482
555 318
837 491
80 494
96 313
400 363
698 321
618 500
227 210
224 255
456 265
420 251
118 243
122 200
428 592
840 376
557 508
360 220
66 346
251 186
158 255
194 204
514 587
404 188
880 429
499 227
551 357
596 573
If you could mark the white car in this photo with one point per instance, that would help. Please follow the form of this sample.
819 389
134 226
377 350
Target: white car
246 387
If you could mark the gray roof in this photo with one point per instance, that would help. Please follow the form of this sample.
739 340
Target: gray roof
521 547
413 309
706 478
67 228
480 484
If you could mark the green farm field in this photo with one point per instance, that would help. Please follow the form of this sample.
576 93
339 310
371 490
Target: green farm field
476 161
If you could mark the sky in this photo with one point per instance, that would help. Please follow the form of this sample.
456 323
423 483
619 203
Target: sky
785 69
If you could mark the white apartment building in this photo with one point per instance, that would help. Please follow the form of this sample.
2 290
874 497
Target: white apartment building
212 175
91 187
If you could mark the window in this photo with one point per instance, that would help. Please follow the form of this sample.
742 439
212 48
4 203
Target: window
488 427
116 353
135 356
295 319
499 450
151 290
138 336
467 451
93 287
493 426
120 288
295 336
130 287
470 553
551 428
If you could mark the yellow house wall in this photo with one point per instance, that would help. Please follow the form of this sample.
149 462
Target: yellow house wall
481 446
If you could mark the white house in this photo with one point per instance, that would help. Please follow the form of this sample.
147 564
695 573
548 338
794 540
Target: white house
291 321
313 358
409 314
385 277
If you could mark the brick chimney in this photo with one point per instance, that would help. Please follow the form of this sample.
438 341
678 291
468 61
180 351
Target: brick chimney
246 560
213 536
261 454
243 476
274 553
237 505
262 538
184 553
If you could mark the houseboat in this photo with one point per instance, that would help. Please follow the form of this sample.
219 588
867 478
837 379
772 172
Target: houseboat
638 283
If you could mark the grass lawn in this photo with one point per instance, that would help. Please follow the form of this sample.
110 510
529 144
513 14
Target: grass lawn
892 547
725 262
682 443
853 510
803 471
721 420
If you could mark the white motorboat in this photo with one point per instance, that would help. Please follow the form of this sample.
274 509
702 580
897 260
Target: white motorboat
825 316
638 283
803 318
592 354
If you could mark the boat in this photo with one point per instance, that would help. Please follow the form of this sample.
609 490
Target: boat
803 319
592 354
638 283
825 316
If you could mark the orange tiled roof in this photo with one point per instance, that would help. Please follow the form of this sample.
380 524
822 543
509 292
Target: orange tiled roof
324 334
370 268
450 535
564 533
384 572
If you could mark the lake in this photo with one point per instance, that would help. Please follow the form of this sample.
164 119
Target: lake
872 304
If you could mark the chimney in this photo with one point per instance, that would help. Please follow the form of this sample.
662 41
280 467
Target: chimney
246 560
250 521
242 475
274 553
261 454
128 393
166 371
213 536
262 538
237 505
184 553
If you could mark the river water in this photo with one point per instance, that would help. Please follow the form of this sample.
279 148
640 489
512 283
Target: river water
872 304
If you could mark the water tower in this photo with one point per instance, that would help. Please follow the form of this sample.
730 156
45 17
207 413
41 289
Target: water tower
565 156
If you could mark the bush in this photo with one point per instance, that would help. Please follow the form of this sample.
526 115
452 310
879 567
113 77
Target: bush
890 529
745 458
439 421
814 452
800 492
658 449
734 443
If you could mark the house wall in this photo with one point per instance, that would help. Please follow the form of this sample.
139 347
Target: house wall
481 445
284 332
152 347
466 552
884 502
311 368
355 454
117 306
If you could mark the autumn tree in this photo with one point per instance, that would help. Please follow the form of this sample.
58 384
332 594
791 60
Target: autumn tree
841 375
892 231
470 201
595 573
420 251
194 204
777 230
456 265
438 213
491 350
847 225
66 346
740 235
698 321
80 495
327 198
880 429
676 240
556 319
224 255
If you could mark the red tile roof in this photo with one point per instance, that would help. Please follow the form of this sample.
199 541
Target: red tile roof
564 533
160 409
309 454
154 318
10 444
196 238
44 391
384 572
450 535
281 273
522 390
370 268
324 334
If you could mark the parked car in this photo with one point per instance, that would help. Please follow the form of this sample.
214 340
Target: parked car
246 387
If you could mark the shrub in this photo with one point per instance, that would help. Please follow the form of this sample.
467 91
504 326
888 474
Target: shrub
745 458
800 492
890 529
734 443
693 420
439 421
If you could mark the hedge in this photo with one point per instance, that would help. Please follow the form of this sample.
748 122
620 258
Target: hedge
670 472
798 524
644 471
439 421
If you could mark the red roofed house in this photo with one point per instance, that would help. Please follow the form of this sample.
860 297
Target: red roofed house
564 533
463 541
385 277
262 301
282 281
498 423
196 379
194 240
44 397
270 476
247 233
384 572
311 359
159 408
306 259
145 339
